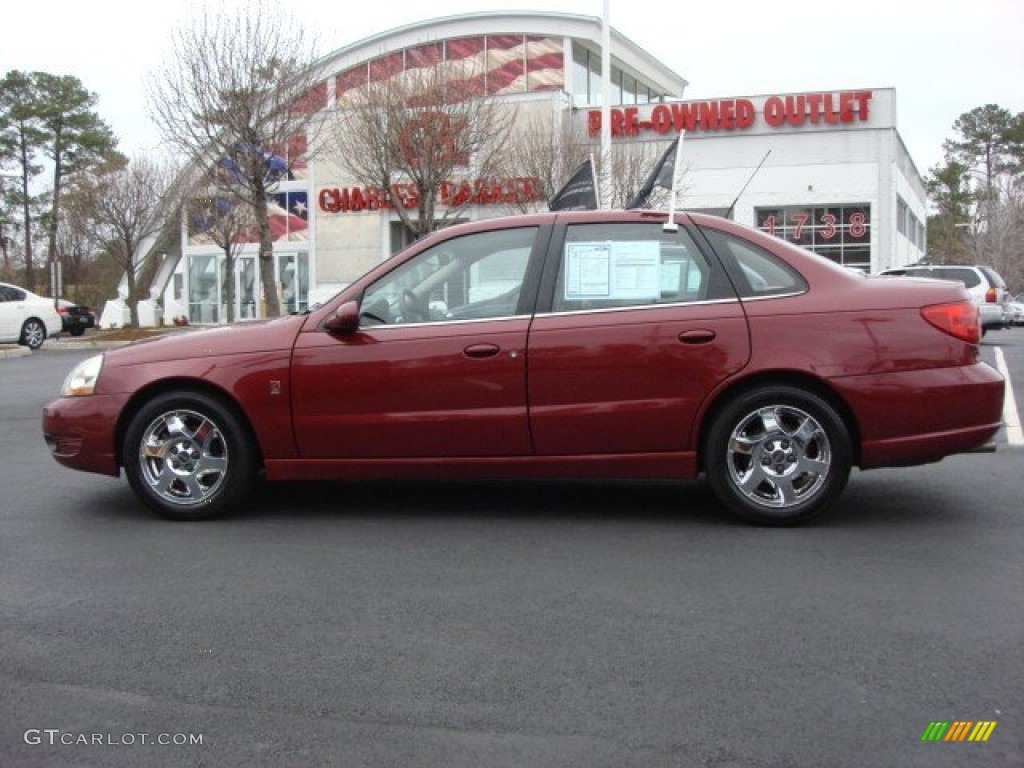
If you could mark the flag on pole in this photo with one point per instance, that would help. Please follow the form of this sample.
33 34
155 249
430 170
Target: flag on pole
663 175
579 193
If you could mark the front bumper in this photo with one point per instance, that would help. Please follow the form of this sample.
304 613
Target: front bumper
82 432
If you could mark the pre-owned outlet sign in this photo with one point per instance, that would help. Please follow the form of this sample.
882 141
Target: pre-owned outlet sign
823 109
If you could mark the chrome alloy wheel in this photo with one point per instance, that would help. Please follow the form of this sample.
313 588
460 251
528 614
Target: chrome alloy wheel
778 456
183 457
33 334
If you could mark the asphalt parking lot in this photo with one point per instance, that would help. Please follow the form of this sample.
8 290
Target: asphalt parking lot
506 624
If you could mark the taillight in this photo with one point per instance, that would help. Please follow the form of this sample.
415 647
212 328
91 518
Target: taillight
990 296
959 319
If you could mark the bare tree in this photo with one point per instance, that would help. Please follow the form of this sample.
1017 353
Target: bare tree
631 164
413 134
548 148
1001 243
236 93
131 206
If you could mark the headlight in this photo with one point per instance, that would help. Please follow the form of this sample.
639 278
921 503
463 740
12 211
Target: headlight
83 377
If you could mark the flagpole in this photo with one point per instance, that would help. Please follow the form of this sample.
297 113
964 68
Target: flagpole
604 196
670 224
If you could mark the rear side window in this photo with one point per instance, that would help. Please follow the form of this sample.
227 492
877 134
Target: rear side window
8 293
755 271
628 264
993 277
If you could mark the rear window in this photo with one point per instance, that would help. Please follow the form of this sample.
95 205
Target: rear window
968 277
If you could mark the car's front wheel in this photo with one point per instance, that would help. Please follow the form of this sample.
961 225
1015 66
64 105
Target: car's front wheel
188 456
33 334
778 455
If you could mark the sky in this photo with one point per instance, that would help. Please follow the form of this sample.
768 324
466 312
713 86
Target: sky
943 58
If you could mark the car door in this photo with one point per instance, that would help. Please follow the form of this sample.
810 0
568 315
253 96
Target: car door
12 303
437 367
639 327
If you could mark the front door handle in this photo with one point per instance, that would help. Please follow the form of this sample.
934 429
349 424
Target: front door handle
701 336
478 351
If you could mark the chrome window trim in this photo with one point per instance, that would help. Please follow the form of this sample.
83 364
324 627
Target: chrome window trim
433 323
774 296
638 307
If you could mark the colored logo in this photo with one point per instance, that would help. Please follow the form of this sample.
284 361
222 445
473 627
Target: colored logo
958 730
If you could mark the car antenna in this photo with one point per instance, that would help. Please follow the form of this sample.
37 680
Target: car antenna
732 208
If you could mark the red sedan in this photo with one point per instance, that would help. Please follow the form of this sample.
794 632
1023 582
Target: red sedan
598 344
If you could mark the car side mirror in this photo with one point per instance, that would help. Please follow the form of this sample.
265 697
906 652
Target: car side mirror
345 319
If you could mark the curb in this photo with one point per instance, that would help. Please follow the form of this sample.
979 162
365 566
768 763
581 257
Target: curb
85 344
13 350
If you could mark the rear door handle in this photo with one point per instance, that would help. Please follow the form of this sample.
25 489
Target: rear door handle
478 351
701 336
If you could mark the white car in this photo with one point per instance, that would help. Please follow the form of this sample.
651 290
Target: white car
26 318
1016 307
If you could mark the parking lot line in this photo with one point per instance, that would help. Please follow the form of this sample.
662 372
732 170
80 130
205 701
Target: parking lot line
1014 434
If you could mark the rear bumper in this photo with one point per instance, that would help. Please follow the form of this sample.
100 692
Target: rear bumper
81 432
991 315
916 417
70 323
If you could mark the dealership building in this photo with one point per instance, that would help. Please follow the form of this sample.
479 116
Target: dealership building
825 169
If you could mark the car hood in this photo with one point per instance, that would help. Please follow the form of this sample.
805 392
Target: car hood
240 338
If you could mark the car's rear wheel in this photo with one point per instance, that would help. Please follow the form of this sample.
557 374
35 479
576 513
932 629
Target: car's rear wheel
77 331
188 456
778 455
33 334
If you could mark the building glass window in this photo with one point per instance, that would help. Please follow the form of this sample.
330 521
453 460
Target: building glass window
545 65
245 294
629 89
594 79
841 233
580 74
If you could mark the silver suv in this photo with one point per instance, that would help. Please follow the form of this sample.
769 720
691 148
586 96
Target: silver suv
983 283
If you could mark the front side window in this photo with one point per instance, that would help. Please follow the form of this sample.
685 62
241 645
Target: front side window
609 266
473 277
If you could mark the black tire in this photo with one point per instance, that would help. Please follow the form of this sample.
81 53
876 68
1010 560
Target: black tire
778 455
33 334
77 331
200 461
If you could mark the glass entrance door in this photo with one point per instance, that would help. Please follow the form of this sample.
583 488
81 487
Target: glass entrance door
293 281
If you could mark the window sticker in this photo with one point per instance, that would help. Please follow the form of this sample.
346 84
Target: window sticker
623 271
588 270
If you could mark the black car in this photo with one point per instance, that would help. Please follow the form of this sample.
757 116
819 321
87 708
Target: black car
75 318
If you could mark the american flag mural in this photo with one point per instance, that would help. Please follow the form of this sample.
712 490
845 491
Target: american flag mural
492 64
288 214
